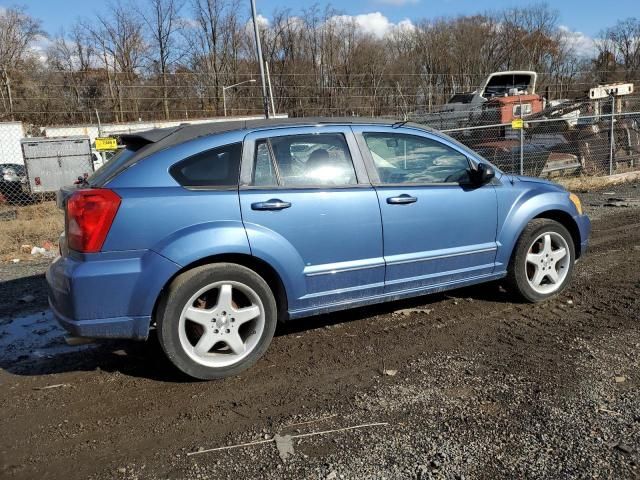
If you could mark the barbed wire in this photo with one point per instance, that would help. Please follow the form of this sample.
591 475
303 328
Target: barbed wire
257 98
571 87
315 74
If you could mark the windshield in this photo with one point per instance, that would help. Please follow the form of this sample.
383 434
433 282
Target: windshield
461 98
500 85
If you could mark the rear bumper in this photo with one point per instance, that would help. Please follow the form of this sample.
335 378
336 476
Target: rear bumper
136 328
107 295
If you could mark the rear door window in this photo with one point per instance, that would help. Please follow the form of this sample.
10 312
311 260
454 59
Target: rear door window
219 167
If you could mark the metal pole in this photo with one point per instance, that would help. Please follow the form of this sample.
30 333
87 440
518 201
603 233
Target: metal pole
99 125
613 111
265 101
521 141
273 107
224 101
8 83
522 150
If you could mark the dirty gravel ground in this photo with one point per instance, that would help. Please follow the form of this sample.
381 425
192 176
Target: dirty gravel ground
485 388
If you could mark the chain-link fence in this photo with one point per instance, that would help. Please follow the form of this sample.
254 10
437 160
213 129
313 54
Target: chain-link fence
564 139
590 145
594 138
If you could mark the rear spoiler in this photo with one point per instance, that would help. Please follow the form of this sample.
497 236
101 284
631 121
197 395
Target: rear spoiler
140 139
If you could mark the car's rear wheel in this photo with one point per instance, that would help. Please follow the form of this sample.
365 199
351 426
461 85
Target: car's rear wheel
542 261
216 320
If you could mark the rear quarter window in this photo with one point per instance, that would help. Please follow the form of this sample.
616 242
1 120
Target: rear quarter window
218 167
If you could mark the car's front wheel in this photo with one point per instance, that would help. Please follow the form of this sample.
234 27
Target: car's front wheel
216 320
542 262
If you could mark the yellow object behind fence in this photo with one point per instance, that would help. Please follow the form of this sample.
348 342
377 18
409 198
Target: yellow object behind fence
106 143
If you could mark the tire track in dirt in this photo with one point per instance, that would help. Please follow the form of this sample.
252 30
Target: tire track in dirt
135 409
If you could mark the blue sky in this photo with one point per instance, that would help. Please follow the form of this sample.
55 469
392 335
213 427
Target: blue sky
587 16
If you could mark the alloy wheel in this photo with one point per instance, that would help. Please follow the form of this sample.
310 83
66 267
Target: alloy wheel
221 324
547 262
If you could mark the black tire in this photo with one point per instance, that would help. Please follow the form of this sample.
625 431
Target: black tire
517 280
183 288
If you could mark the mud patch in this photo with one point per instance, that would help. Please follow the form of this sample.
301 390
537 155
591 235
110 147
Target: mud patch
32 337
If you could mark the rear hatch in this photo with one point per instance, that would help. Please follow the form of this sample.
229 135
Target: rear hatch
135 147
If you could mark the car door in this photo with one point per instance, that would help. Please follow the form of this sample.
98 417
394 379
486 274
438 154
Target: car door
310 211
439 229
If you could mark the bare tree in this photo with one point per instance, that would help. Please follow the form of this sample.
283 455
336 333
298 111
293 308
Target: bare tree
163 23
208 40
120 38
168 60
72 56
18 30
622 43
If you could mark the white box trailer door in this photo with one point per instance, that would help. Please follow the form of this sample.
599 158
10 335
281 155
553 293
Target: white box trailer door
57 162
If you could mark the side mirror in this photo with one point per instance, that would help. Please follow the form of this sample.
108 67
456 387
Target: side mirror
482 174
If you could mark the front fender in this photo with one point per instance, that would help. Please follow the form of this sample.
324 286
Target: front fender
528 205
203 240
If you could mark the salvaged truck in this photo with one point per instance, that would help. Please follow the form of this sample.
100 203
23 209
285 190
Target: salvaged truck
577 135
465 108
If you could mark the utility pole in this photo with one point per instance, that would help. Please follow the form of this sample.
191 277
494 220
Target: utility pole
265 100
7 82
273 106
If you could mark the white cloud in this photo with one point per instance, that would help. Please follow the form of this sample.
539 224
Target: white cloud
40 46
263 21
397 3
582 44
406 25
374 23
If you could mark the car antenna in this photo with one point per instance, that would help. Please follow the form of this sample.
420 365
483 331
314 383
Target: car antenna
399 124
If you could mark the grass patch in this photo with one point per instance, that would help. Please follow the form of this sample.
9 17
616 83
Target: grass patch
586 183
29 225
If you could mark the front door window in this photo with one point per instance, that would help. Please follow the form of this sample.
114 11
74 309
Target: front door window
409 159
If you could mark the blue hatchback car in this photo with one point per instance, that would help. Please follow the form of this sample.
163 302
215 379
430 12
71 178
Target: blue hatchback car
213 233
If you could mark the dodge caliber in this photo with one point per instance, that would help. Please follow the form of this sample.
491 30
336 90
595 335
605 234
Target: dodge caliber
212 234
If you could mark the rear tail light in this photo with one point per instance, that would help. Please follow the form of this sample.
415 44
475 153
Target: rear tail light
90 214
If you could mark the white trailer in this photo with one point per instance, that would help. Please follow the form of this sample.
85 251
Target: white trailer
53 163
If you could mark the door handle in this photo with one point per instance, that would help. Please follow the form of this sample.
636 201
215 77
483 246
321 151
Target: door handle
401 199
273 204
